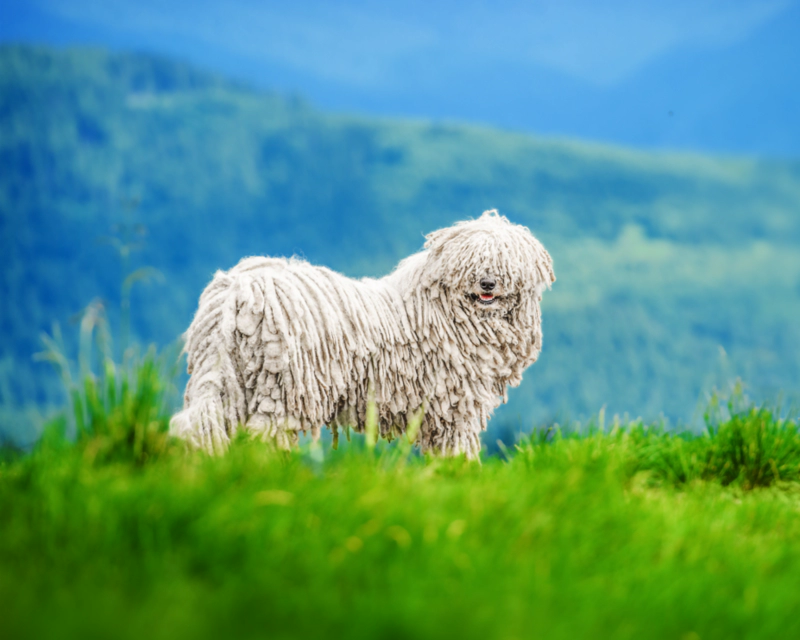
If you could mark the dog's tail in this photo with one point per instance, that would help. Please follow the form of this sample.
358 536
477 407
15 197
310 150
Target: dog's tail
214 403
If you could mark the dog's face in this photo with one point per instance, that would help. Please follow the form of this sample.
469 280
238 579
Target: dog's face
490 265
488 293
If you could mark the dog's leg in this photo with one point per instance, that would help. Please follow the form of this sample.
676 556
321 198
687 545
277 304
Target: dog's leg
282 431
446 439
202 422
462 441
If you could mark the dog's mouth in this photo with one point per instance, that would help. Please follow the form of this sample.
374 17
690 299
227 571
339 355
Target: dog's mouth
485 299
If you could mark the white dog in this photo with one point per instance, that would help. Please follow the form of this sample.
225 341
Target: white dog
279 346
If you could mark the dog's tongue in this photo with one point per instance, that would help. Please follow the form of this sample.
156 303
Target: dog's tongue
486 296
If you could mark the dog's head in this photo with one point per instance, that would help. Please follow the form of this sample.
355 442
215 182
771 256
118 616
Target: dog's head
490 264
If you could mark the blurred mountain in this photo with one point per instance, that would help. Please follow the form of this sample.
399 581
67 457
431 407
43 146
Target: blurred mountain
664 261
716 77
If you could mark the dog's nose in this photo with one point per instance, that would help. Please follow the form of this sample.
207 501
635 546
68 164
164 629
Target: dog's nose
487 284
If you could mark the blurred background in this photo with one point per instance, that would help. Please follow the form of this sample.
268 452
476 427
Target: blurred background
653 147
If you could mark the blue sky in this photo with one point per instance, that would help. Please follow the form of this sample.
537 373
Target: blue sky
703 74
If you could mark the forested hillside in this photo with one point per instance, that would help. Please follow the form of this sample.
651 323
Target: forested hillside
664 262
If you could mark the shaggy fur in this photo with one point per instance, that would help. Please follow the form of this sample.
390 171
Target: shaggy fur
281 346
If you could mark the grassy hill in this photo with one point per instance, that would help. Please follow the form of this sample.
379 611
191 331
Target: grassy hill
623 533
664 261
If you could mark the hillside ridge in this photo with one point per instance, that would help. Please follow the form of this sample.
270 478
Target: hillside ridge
655 253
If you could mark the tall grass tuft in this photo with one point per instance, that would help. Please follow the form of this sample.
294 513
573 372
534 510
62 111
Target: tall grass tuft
754 448
121 411
122 415
742 445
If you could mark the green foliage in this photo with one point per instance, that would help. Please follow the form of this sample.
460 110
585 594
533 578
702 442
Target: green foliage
123 411
755 449
742 445
568 536
752 449
121 415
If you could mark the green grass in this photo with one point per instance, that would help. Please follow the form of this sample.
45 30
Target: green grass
624 532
